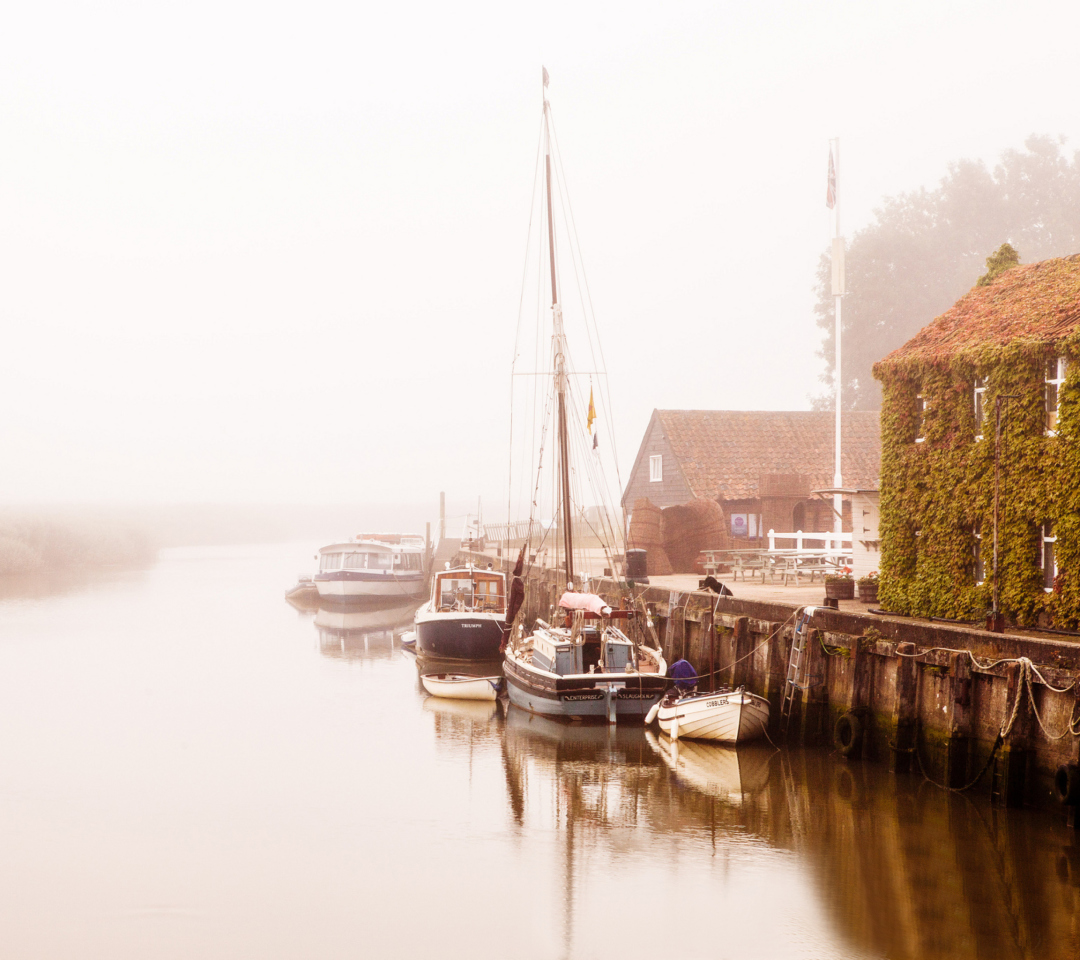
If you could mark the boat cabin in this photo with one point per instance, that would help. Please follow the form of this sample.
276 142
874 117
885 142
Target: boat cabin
600 651
467 589
370 556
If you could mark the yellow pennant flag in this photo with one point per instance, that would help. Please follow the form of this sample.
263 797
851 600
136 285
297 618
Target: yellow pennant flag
592 413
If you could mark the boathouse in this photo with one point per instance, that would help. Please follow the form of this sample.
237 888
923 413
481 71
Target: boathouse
983 401
761 466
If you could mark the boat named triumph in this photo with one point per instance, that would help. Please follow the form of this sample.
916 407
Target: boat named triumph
463 619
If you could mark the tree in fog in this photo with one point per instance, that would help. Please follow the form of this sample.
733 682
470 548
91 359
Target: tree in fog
925 249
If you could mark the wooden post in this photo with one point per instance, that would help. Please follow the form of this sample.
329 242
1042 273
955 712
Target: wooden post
707 631
1012 759
814 697
905 706
862 674
958 730
741 667
776 667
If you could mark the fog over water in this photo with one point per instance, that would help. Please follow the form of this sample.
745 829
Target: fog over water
266 253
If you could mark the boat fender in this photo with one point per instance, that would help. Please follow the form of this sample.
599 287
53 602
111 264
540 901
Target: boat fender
653 711
1067 784
847 734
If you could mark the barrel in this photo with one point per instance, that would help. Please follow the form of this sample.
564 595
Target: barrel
636 564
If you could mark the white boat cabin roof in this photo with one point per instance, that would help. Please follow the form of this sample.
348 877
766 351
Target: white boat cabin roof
402 545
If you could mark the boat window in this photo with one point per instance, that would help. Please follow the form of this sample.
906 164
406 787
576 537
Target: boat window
378 561
488 596
330 561
455 593
354 561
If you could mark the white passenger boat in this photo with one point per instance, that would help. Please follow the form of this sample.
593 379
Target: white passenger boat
372 566
456 686
726 716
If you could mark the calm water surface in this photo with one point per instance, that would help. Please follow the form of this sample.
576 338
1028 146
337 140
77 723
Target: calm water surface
191 768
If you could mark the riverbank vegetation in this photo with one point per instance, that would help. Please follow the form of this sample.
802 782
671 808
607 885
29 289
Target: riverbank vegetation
32 543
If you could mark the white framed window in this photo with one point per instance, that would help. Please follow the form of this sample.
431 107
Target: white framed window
1055 377
978 567
656 468
921 406
1047 560
980 407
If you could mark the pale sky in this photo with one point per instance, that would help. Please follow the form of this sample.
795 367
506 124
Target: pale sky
273 252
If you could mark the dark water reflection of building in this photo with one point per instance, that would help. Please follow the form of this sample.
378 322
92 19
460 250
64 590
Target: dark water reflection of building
364 633
902 869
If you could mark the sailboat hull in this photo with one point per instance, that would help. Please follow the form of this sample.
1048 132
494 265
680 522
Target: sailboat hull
631 695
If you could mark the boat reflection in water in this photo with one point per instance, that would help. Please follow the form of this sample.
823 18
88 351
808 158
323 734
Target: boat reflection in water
732 774
857 861
371 633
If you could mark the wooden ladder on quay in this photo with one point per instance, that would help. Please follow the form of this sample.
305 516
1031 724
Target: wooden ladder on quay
795 668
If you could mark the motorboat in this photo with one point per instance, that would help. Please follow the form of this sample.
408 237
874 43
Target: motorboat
464 618
457 686
372 567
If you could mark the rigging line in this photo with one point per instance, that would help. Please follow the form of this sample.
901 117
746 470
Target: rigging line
588 294
517 336
528 453
528 245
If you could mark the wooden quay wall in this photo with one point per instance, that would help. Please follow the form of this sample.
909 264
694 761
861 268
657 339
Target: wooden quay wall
927 696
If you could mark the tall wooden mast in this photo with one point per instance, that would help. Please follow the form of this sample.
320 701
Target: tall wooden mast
559 350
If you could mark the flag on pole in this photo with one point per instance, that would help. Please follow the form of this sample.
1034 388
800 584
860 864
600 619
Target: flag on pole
595 438
545 75
592 413
830 193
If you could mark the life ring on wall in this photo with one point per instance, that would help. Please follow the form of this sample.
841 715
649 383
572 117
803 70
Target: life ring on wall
1067 784
847 734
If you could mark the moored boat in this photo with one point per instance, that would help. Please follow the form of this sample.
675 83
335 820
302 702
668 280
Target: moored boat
463 619
457 686
725 716
584 670
378 566
585 666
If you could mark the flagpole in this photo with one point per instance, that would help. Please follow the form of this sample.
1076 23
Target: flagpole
838 291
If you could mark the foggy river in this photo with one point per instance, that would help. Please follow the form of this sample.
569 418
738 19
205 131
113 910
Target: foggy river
191 768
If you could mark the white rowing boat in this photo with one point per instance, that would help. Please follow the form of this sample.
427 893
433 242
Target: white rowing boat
734 716
456 686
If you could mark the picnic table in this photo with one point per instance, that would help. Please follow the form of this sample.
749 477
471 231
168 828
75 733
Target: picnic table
787 564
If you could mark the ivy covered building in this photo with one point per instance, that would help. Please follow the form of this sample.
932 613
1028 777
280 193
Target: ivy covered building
1017 340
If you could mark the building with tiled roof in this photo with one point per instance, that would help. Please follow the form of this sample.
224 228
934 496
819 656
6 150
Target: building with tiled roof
737 457
986 395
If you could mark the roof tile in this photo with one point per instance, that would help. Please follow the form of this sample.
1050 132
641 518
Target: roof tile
724 452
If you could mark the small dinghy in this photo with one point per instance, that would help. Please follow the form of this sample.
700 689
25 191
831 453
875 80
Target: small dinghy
726 716
456 686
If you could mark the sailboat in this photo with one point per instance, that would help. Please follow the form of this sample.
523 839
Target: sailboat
582 664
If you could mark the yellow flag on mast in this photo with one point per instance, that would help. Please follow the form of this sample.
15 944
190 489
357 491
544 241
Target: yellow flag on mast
592 412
